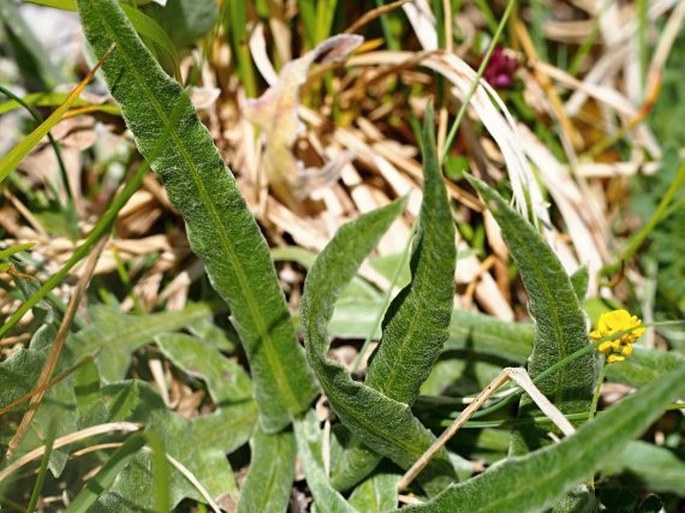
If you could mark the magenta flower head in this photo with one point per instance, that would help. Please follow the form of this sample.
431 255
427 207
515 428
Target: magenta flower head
500 70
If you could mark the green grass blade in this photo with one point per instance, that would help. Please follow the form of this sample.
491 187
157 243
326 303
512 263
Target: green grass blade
65 5
534 482
160 472
24 147
103 225
42 472
272 470
416 324
385 425
104 479
308 16
234 16
54 100
221 229
559 321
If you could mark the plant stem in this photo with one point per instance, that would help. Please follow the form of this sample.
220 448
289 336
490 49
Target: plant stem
479 75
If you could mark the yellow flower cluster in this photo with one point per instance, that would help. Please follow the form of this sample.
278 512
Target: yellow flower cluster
620 346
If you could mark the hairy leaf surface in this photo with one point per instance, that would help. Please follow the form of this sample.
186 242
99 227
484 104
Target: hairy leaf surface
272 469
535 481
415 326
559 322
416 323
221 229
386 425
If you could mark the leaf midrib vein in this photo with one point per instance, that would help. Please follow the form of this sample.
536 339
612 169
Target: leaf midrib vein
265 337
571 461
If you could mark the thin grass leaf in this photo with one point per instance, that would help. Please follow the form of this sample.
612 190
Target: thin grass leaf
559 321
54 100
270 478
385 425
234 16
221 229
160 472
42 472
28 143
534 482
103 480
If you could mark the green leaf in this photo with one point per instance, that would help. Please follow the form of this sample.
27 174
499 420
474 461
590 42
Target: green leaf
358 289
386 425
309 450
105 477
580 280
213 335
470 331
657 468
113 335
533 482
415 326
485 334
200 444
376 494
56 415
387 265
559 321
149 28
185 20
226 381
221 229
644 366
272 470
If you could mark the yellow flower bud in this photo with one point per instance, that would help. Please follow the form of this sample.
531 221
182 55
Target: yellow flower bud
611 325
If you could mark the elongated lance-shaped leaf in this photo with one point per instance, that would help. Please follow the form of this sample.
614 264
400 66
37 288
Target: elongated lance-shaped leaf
385 425
221 229
272 469
559 321
415 326
534 482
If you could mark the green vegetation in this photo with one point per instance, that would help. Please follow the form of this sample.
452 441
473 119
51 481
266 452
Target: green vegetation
252 262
